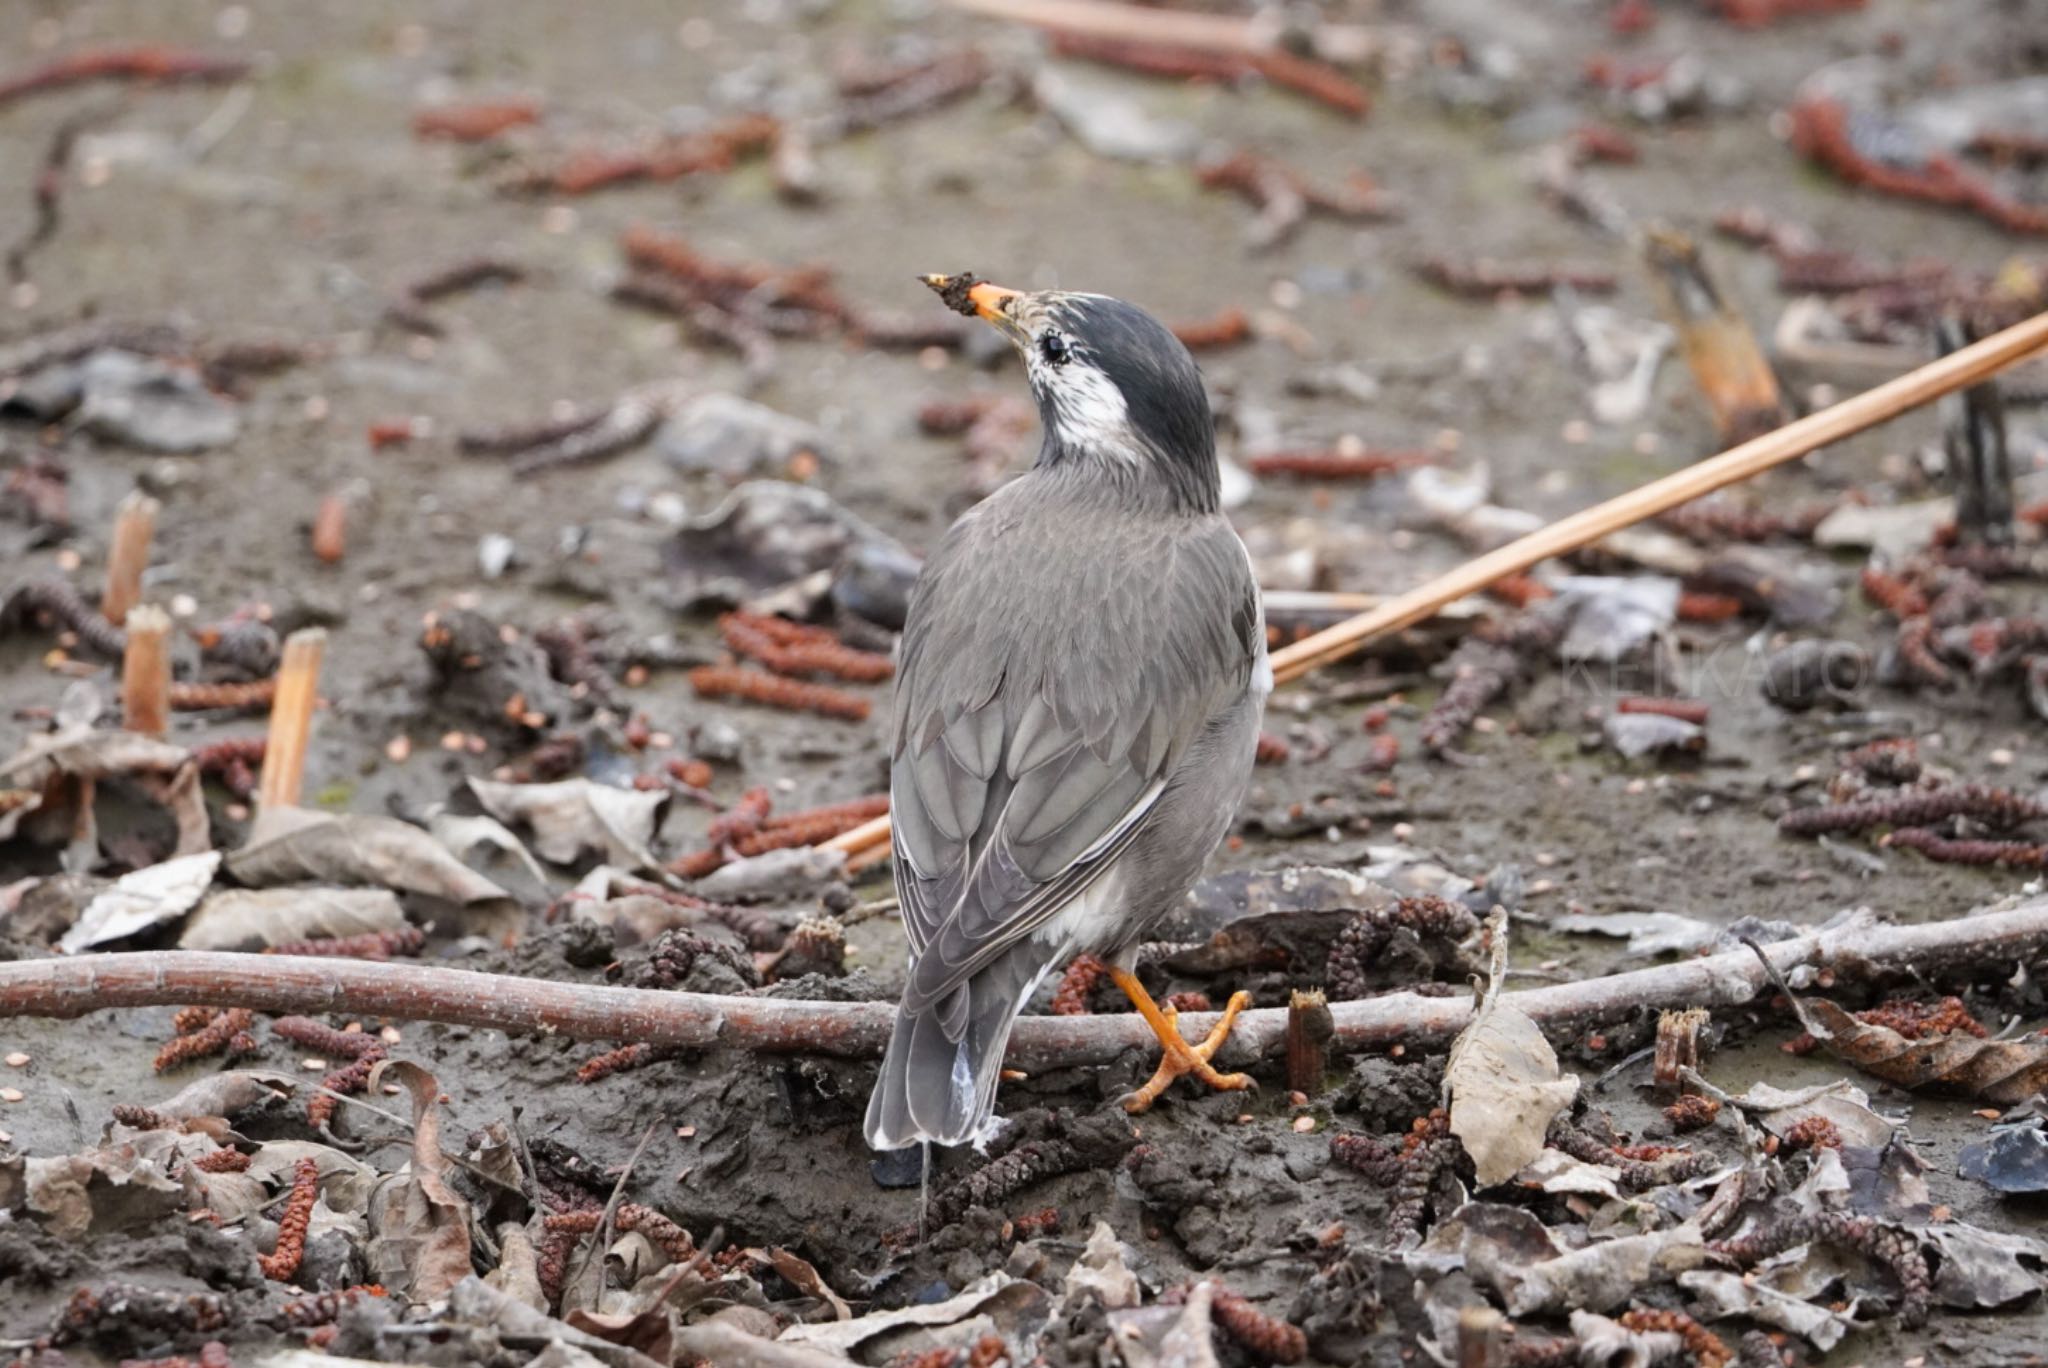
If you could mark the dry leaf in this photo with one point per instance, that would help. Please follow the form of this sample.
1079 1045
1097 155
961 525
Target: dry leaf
419 1243
293 845
83 752
1721 1294
576 816
346 1182
1986 1270
844 1336
485 845
1502 1079
651 1331
798 1273
2003 1071
1606 1274
123 1184
518 1272
136 902
251 918
226 1094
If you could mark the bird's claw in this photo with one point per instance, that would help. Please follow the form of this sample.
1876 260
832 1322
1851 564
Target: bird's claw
1179 1057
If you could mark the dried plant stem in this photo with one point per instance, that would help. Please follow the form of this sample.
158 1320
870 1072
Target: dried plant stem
71 987
291 719
1343 43
146 672
1958 370
128 556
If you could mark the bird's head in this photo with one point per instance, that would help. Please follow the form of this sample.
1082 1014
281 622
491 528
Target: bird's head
1118 394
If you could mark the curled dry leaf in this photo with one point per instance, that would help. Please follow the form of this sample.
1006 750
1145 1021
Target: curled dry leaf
419 1242
293 845
249 919
149 897
2003 1071
2006 1072
577 815
1502 1080
798 1273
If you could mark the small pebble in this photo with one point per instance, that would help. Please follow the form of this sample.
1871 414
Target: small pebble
311 1065
12 1095
1404 831
451 741
389 1035
17 1060
1304 1124
2000 757
398 749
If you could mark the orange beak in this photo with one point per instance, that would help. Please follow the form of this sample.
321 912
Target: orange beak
965 294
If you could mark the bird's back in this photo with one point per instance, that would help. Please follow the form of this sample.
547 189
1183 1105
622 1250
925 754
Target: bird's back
1061 659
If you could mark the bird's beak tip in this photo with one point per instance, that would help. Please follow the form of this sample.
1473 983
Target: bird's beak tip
968 294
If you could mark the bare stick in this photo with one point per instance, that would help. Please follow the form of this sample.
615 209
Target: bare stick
74 985
291 719
1342 43
146 672
1958 370
1955 371
128 557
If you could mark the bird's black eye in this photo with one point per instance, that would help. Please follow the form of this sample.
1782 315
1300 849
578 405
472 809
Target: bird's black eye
1053 348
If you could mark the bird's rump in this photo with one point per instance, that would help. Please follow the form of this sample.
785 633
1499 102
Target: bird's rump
1047 688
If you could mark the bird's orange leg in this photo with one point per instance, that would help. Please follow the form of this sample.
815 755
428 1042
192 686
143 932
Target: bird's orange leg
1179 1057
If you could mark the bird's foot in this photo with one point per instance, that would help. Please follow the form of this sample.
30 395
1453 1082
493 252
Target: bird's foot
1178 1057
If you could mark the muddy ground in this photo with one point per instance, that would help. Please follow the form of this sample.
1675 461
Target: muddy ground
303 205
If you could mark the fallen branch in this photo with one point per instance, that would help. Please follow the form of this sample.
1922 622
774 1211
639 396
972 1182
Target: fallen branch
74 986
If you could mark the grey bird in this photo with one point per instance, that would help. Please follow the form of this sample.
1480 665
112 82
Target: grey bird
1078 697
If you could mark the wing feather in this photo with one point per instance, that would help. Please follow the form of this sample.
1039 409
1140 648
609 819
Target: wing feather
1046 689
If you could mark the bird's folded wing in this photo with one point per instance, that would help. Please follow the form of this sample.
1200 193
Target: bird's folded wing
1035 732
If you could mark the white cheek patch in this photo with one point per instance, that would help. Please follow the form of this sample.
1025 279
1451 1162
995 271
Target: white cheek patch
1089 410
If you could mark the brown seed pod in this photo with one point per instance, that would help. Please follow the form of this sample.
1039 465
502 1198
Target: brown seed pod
219 1036
759 686
2011 854
222 1161
621 1060
142 1118
283 1261
672 1238
1895 1250
322 1308
1076 984
1690 710
1268 1338
1706 1348
1708 607
476 121
1338 465
1915 808
1692 1112
188 696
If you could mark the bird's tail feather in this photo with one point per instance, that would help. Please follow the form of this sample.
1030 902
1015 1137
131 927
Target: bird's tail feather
941 1087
